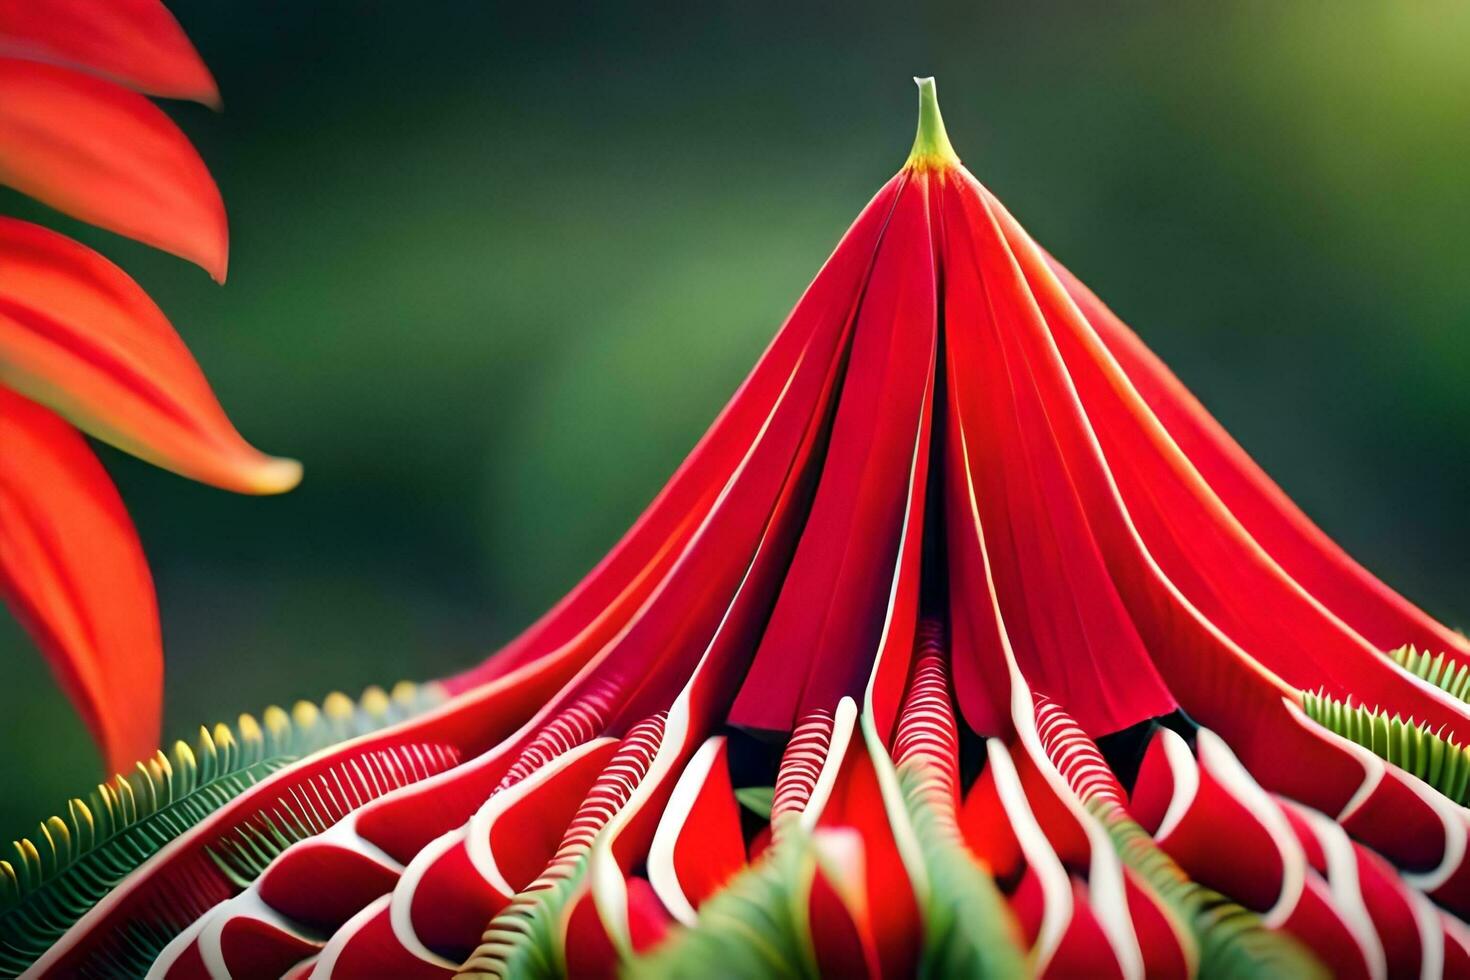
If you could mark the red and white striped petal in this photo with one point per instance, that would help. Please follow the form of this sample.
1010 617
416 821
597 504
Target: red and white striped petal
1212 799
698 846
1407 940
456 885
244 937
1265 867
1053 910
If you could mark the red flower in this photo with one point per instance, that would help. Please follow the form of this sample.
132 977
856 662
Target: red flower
1016 661
79 337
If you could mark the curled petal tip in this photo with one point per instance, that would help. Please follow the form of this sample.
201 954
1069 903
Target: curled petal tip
276 475
932 149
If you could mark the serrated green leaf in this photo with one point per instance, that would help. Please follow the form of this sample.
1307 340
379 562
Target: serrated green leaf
1437 760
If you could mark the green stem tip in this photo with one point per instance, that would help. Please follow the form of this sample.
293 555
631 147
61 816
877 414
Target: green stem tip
932 148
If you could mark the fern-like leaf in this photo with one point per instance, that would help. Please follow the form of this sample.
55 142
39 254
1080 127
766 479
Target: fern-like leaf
53 878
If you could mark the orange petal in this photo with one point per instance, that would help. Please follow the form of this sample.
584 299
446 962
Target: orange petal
135 42
77 334
109 157
73 571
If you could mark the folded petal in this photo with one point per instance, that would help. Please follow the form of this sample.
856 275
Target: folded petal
61 521
79 335
1049 535
135 42
1307 554
598 607
1197 541
111 158
826 626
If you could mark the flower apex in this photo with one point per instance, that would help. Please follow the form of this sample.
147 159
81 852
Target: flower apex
932 149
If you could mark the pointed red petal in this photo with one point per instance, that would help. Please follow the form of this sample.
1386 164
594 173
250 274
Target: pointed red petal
1319 924
648 920
242 938
1456 946
79 335
840 917
1405 920
1084 950
253 948
135 42
60 521
591 950
988 831
111 158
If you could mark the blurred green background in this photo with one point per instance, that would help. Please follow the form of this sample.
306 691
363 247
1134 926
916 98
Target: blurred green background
495 267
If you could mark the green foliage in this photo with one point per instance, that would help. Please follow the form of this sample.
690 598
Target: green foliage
1433 757
757 799
53 878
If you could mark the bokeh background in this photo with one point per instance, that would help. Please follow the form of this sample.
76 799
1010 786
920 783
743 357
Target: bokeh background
496 266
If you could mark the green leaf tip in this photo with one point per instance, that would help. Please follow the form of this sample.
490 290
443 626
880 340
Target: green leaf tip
757 799
932 149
